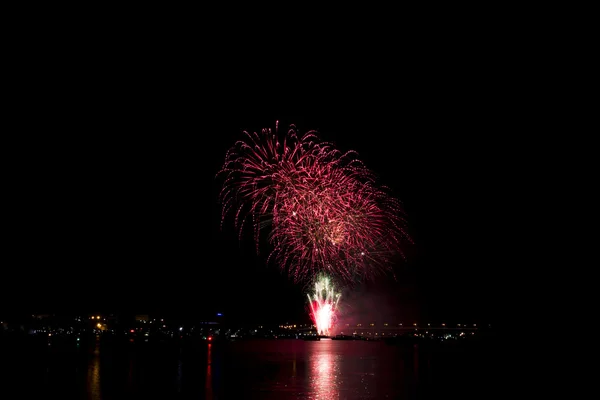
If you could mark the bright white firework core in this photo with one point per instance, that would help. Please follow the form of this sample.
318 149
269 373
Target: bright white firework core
323 306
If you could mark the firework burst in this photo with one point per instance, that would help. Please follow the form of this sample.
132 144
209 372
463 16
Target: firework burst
337 225
323 306
325 211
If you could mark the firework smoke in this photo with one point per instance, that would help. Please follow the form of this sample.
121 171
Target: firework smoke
323 306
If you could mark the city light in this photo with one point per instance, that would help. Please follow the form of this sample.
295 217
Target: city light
214 331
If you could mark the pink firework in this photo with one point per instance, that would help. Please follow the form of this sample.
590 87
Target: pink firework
338 225
323 306
325 212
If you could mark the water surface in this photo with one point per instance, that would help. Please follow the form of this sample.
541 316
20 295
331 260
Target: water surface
103 369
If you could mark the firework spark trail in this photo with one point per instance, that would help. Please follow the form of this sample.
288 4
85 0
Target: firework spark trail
323 306
337 226
323 206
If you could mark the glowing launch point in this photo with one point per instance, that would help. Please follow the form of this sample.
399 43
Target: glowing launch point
323 306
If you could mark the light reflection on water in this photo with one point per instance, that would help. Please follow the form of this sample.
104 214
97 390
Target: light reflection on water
324 372
93 374
255 369
209 389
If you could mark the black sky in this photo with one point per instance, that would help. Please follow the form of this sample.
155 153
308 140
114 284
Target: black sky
112 196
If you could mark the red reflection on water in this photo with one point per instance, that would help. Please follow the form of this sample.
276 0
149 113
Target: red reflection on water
324 372
209 389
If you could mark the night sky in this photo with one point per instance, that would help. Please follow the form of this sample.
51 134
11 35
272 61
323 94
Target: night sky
112 196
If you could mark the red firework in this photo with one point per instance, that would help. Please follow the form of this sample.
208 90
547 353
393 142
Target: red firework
343 228
323 207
